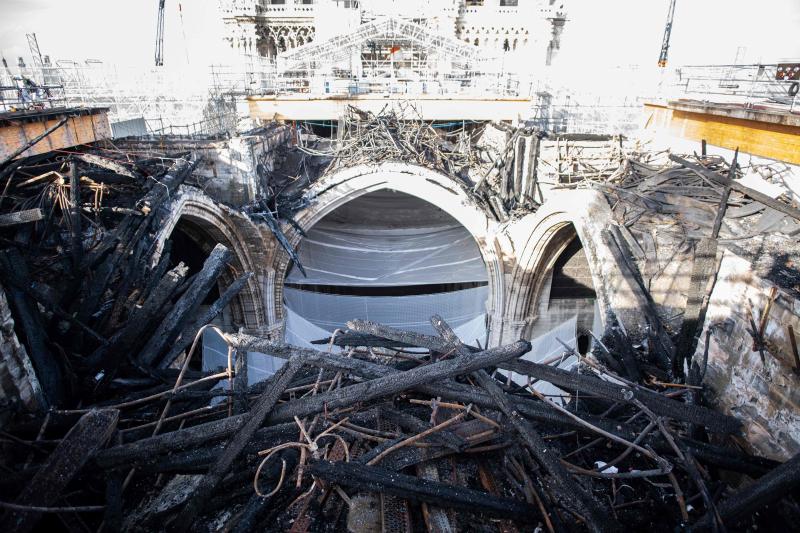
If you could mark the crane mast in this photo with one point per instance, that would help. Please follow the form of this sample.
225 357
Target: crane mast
160 35
662 59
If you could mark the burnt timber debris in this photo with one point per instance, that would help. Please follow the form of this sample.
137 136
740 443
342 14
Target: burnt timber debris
392 427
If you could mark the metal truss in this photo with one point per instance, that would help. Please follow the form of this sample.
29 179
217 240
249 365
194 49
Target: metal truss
319 54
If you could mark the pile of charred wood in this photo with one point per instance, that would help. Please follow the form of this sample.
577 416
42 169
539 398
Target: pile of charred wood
93 294
391 136
380 429
392 430
666 206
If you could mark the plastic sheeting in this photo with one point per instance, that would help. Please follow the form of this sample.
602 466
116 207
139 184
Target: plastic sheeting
334 255
548 346
300 332
330 311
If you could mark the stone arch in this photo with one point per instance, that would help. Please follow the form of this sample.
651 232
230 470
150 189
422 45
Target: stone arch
210 223
335 190
539 239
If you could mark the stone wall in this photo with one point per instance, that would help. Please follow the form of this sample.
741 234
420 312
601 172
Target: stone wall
552 312
233 171
18 382
764 395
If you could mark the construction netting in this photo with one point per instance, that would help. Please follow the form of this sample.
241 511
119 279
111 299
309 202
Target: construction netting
388 257
331 311
391 241
215 358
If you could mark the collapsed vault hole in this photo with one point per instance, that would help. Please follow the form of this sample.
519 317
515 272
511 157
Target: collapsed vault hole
387 257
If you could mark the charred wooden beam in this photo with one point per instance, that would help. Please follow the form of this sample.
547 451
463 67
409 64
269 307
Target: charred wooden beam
148 450
48 369
380 480
415 425
770 488
398 382
388 384
190 331
573 495
253 421
21 217
625 348
133 227
572 381
445 388
169 183
272 223
185 307
75 216
660 404
408 337
69 457
134 332
257 506
736 186
108 164
723 202
351 338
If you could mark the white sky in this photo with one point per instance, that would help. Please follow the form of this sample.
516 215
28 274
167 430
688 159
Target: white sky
117 31
598 33
625 32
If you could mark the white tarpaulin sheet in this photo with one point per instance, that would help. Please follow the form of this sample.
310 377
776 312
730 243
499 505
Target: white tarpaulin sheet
388 257
547 346
301 332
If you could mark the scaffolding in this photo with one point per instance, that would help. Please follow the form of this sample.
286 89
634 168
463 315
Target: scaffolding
748 85
389 56
167 100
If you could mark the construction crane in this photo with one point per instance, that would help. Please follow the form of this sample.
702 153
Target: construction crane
36 54
160 35
662 59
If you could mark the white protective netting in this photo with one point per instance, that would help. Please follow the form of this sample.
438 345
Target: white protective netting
383 239
331 311
344 255
546 347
